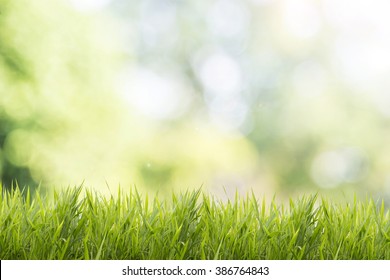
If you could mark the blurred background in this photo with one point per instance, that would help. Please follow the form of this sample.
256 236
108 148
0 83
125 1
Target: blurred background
274 96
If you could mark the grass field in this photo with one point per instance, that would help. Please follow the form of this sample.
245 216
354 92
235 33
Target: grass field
192 225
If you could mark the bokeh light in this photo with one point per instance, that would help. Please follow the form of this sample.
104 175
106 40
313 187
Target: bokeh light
273 95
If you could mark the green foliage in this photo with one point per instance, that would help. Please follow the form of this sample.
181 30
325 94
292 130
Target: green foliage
133 94
52 63
190 226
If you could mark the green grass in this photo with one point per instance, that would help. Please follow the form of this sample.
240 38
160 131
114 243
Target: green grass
192 225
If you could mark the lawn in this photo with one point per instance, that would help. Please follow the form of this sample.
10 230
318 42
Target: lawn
72 224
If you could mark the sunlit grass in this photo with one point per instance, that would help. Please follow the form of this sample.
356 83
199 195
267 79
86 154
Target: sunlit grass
191 225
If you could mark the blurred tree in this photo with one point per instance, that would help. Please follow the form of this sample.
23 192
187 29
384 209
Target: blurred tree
13 67
10 172
52 63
